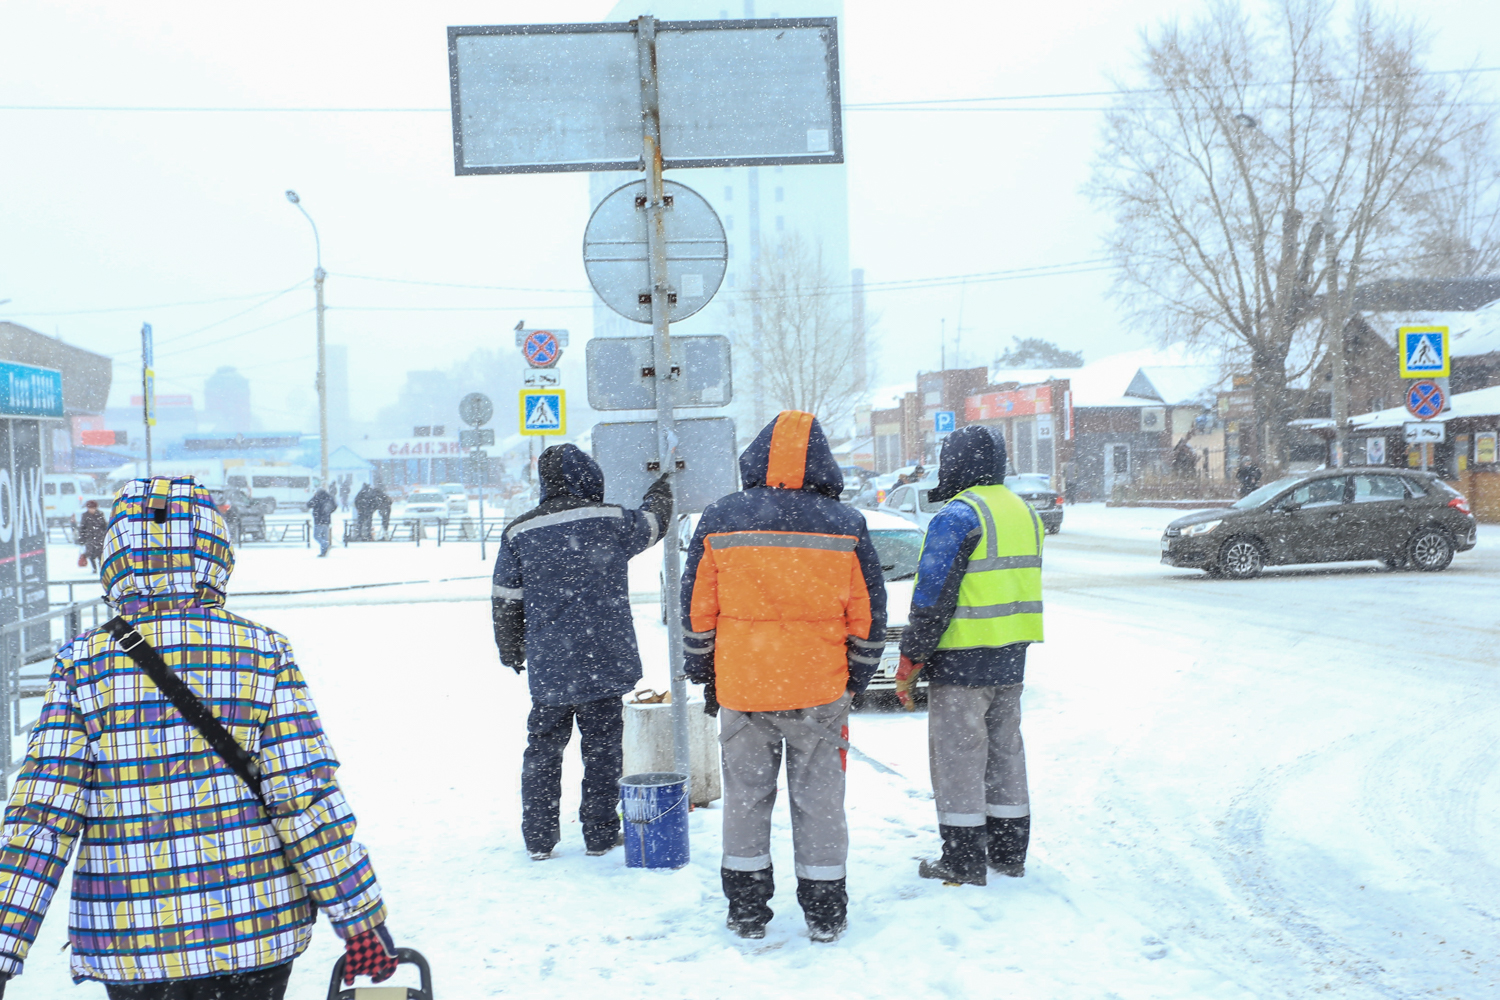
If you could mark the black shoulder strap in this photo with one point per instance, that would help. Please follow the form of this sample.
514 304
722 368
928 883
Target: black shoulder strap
178 693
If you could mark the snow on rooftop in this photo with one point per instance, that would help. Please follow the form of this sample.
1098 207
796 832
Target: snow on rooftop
1178 385
1469 333
1106 381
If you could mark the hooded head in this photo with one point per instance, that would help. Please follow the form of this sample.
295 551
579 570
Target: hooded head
167 544
972 456
567 469
791 453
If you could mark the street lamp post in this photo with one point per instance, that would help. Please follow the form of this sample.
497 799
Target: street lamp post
318 275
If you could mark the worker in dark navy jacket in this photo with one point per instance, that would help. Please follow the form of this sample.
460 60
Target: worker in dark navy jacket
562 608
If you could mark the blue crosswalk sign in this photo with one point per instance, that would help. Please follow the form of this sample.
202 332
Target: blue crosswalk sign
1422 351
543 411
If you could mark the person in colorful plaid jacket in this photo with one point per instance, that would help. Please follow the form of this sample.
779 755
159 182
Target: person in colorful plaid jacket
182 874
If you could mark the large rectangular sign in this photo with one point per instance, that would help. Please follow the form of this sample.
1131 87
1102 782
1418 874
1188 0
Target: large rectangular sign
622 372
531 98
628 454
29 391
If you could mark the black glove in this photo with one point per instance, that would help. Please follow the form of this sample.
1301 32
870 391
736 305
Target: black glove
710 698
518 666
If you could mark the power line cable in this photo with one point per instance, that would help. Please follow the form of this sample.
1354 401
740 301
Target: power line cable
854 106
451 284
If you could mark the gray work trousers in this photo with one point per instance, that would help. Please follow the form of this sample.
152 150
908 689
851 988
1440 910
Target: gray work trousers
815 741
978 759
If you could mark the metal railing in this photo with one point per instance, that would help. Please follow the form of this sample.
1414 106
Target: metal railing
32 641
417 531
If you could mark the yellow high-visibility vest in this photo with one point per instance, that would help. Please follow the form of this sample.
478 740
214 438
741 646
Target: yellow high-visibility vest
1000 598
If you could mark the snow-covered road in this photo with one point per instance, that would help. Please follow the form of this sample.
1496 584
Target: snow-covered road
1271 788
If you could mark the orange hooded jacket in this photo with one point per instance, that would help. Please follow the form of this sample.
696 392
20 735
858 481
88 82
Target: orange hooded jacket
783 598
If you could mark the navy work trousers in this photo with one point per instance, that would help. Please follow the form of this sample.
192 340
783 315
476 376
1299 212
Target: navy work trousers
601 726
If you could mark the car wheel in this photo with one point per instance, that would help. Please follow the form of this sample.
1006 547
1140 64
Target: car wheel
1054 529
1430 550
1241 559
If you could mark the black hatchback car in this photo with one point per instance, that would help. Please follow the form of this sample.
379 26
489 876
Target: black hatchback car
1402 518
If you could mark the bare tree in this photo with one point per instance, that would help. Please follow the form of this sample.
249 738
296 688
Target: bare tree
1260 162
1458 220
808 354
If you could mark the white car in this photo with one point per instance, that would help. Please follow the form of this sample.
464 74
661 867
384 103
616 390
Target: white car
898 542
425 505
457 497
910 502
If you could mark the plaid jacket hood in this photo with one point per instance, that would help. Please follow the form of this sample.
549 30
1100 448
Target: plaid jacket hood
166 545
180 871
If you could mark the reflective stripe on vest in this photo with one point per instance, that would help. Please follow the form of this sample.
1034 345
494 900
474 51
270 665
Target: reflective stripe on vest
1000 598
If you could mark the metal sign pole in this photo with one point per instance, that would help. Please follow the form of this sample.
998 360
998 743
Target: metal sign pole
666 432
481 467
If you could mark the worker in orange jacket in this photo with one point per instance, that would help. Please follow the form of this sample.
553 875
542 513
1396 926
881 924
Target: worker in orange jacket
784 615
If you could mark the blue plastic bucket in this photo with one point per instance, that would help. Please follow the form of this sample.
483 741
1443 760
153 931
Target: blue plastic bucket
655 806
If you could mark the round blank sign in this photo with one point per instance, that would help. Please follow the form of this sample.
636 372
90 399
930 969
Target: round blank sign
475 409
618 265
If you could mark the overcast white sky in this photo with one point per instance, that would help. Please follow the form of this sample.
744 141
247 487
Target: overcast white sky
108 216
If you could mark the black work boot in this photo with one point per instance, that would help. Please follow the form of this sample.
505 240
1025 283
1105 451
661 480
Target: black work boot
962 862
825 903
748 894
1009 839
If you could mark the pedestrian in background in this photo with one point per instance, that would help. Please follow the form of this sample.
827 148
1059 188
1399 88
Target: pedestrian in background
91 528
561 607
189 883
383 505
321 506
364 512
976 605
344 495
1249 476
783 606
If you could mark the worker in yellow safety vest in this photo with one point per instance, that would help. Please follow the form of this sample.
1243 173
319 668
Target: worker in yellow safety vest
976 605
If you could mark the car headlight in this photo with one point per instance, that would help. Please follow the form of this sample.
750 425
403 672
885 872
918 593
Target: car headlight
1201 528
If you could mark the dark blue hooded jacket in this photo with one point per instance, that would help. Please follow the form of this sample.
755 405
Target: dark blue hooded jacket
972 456
561 588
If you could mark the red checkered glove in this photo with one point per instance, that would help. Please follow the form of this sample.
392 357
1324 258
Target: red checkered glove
370 954
906 681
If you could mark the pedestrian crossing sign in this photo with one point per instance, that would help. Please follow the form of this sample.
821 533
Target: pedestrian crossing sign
544 411
1422 351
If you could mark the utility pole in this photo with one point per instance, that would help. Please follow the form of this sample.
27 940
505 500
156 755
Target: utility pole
148 389
1336 319
318 275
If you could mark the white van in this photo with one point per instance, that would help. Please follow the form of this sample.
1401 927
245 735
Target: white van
290 486
64 494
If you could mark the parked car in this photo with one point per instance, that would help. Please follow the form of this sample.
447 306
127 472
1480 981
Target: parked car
425 505
1036 489
898 542
910 502
457 497
1402 518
